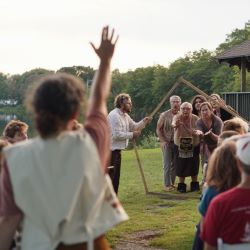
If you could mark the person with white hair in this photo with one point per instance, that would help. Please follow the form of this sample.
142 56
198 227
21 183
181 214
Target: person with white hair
186 147
165 133
228 215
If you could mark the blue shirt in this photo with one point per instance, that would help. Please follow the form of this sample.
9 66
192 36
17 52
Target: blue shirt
209 194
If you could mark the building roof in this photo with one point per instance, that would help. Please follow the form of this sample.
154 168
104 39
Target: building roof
234 55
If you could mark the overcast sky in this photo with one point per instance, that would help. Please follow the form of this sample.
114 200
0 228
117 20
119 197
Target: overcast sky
55 33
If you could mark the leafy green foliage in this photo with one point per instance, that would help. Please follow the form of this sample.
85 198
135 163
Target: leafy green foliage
236 37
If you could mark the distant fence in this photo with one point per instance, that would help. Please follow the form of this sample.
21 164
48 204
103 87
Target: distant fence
240 101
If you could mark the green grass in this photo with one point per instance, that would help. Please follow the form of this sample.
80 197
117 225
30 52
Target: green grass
174 218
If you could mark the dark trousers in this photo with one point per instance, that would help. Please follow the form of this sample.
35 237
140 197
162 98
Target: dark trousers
198 244
114 172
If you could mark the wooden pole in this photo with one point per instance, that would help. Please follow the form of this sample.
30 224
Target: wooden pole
243 75
140 167
164 99
134 142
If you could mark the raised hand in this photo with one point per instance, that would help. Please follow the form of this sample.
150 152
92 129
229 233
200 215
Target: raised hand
107 45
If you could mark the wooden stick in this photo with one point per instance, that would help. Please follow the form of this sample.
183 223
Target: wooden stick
164 99
189 84
140 166
134 142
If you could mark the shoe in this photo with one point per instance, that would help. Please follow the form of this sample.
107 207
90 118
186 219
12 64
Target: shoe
182 187
173 186
168 188
194 186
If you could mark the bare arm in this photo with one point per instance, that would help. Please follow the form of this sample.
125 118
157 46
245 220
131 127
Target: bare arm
8 226
102 80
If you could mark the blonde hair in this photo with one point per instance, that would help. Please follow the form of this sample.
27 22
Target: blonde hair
236 124
223 173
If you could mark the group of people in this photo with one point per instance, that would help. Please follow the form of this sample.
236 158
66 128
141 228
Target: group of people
60 188
189 133
205 131
55 186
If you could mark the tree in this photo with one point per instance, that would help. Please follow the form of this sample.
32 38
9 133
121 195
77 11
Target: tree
85 73
21 83
236 37
3 87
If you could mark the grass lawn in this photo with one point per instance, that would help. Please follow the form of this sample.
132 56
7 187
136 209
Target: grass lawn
174 218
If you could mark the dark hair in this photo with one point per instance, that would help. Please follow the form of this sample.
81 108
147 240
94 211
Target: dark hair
119 99
13 127
203 99
55 100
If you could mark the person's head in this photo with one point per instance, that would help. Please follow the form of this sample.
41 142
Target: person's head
123 102
196 102
243 154
186 109
226 135
236 124
206 110
175 102
222 171
215 101
16 131
55 102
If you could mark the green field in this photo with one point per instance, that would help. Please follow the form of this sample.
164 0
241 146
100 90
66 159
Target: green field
173 219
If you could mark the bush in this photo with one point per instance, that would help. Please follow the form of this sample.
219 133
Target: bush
150 141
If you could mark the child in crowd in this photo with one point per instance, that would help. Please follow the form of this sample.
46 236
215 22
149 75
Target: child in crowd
15 131
222 174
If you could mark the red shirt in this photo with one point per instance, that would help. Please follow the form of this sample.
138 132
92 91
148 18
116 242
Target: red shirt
228 217
97 127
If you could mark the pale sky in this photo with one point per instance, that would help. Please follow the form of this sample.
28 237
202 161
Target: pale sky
52 34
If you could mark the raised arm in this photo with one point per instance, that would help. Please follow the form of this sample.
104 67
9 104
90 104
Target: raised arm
102 80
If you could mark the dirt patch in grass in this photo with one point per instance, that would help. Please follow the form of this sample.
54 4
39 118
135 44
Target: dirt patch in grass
138 241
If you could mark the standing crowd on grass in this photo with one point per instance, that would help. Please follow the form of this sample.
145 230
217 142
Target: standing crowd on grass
205 131
59 190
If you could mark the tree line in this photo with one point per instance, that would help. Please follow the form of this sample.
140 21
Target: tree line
148 85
